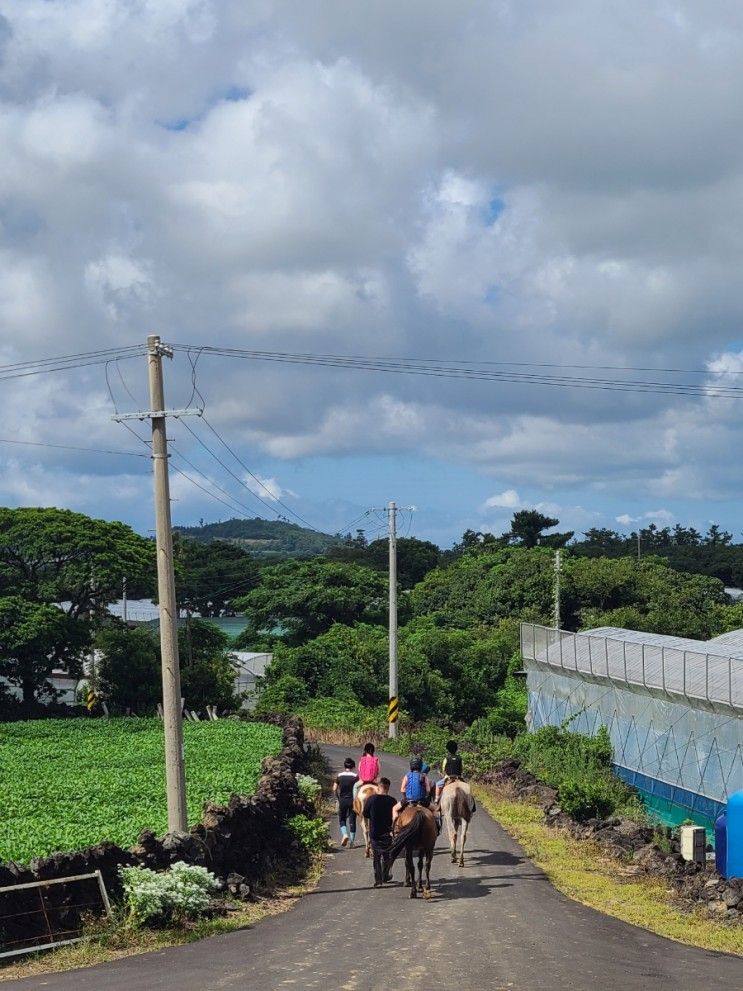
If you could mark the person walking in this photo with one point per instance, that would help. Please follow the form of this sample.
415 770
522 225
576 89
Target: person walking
343 791
378 812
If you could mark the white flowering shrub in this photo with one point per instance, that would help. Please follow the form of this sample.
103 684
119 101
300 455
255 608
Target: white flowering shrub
183 892
309 787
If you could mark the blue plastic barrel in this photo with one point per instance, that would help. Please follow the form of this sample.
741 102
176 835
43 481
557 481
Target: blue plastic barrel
734 858
721 844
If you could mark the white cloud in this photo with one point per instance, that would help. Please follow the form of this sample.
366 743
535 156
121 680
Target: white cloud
508 499
286 176
268 488
626 520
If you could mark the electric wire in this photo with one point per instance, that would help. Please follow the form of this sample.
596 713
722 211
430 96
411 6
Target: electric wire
260 482
427 368
229 471
71 447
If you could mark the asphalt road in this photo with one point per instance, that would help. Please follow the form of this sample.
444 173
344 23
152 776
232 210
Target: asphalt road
497 923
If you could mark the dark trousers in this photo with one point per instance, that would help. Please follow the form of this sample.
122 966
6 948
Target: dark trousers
379 853
346 814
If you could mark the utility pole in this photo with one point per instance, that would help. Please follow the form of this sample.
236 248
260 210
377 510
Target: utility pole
175 776
558 568
638 545
123 598
393 704
172 705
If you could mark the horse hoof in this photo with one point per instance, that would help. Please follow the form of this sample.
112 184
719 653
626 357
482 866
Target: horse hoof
454 860
427 893
461 863
413 894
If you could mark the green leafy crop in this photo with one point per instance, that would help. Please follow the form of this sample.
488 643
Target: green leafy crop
69 783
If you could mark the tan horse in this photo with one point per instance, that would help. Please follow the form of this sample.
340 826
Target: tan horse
457 807
415 830
358 806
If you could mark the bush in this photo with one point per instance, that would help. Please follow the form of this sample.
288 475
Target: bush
312 834
183 892
586 799
309 788
579 767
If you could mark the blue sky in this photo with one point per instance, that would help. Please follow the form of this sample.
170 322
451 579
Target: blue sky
384 181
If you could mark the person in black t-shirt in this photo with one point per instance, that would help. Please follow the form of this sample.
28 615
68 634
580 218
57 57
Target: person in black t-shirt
378 811
343 791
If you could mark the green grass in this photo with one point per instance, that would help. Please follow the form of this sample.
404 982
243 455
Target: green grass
72 782
581 871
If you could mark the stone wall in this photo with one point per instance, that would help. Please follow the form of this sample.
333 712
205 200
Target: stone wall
245 838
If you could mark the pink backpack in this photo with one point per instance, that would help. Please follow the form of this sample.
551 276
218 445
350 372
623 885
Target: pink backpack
368 768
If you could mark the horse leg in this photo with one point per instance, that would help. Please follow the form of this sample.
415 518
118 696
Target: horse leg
465 826
367 837
429 858
451 831
420 869
410 872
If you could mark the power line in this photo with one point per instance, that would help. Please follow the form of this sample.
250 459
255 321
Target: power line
70 447
211 481
83 360
241 481
429 368
243 352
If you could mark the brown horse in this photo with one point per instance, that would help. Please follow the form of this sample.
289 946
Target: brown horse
457 808
415 831
358 806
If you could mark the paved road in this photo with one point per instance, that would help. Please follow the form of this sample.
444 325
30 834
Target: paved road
496 924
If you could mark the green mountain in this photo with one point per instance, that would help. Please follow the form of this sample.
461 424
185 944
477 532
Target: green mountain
264 539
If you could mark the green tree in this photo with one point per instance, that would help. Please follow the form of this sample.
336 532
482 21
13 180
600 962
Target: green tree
34 637
207 674
54 555
209 575
129 671
300 600
528 526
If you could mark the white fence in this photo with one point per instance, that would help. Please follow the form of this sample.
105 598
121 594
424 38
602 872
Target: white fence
694 675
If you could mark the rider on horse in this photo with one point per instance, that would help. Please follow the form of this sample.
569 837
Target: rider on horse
414 787
451 767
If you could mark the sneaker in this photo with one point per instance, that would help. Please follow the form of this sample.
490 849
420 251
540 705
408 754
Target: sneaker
344 841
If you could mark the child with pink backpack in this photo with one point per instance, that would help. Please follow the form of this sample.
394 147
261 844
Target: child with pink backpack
368 768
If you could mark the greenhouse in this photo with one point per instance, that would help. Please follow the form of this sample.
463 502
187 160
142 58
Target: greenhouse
673 708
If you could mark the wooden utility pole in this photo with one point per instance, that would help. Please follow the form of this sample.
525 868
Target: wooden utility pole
175 777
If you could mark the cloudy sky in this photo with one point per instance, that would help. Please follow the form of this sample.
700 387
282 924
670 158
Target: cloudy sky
522 182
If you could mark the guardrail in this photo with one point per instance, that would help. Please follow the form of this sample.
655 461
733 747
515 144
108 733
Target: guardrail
684 674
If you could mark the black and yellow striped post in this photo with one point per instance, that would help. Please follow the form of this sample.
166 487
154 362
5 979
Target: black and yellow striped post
393 709
91 700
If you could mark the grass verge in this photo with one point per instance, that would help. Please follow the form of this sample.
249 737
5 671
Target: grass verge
581 871
104 942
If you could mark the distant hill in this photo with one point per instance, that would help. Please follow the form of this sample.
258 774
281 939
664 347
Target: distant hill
264 539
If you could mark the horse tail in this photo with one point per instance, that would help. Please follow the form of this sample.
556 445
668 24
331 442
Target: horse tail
406 835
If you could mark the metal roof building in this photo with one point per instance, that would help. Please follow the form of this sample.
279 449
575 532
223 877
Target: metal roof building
673 706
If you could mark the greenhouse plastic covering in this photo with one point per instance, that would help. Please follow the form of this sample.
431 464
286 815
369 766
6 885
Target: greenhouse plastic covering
673 707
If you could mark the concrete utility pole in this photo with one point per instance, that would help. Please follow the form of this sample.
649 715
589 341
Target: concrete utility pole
175 777
123 598
638 545
393 703
558 568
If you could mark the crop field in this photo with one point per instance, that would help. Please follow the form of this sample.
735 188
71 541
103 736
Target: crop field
67 783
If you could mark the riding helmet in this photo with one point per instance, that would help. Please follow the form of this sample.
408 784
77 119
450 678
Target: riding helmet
416 764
